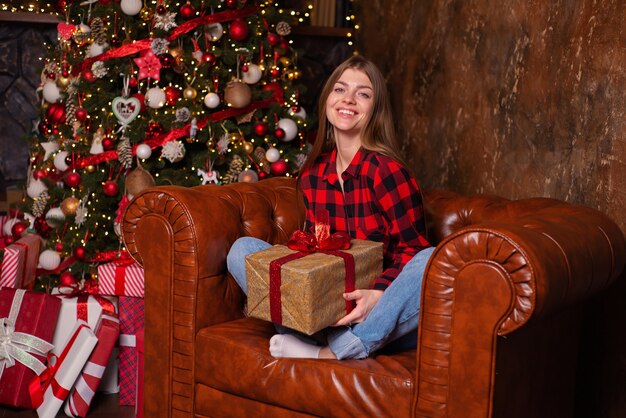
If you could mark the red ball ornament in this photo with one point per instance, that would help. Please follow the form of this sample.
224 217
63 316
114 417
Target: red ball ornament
274 72
42 227
110 188
260 128
142 99
55 131
279 133
132 82
104 2
153 129
279 168
108 144
79 252
238 29
55 114
244 68
65 73
39 174
167 60
284 46
231 3
115 41
58 247
172 94
262 175
51 76
18 229
44 128
81 114
8 240
187 11
209 58
161 9
72 179
67 279
273 38
88 75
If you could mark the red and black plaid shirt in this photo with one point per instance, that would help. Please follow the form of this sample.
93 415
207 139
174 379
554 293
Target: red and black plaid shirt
381 202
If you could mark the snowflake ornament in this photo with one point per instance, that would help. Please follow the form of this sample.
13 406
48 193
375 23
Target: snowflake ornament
165 21
98 69
159 46
173 151
182 114
223 143
81 212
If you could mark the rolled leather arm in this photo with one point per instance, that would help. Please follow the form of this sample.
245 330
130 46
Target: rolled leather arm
181 236
501 264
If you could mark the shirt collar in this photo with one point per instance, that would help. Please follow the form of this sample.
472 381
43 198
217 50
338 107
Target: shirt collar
353 169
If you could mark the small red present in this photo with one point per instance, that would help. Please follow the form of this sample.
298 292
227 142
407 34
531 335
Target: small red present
53 386
19 263
121 278
27 321
140 363
131 322
82 393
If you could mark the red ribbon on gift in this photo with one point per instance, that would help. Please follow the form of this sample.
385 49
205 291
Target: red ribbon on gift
39 384
89 288
306 243
120 275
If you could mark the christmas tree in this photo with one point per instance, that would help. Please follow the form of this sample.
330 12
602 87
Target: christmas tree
145 92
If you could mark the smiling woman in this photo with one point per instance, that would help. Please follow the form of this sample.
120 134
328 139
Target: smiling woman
354 175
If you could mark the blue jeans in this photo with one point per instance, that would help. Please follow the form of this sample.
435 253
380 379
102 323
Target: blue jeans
395 315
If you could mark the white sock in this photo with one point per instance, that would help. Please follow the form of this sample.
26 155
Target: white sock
287 345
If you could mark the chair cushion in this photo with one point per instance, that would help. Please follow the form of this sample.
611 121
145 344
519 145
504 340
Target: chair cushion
233 357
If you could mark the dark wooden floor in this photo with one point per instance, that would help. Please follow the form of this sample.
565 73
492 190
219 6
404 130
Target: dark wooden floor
103 406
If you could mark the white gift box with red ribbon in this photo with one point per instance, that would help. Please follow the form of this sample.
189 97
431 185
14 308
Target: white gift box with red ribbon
61 376
82 393
121 278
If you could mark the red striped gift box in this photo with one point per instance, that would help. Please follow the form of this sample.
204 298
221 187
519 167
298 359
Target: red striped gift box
121 278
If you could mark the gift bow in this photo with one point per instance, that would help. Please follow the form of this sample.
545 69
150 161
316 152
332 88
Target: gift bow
83 290
18 346
309 242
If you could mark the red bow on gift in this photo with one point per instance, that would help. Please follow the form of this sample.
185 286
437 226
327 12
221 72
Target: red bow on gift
321 238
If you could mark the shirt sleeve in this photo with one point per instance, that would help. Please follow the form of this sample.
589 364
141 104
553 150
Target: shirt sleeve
400 201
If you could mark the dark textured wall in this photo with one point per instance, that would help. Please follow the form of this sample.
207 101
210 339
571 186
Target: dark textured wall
518 98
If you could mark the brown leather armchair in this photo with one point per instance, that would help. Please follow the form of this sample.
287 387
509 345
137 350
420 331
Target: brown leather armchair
499 325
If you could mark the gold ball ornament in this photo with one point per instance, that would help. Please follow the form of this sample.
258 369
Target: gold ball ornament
138 180
90 168
146 14
189 93
248 147
237 94
63 82
286 62
176 52
69 206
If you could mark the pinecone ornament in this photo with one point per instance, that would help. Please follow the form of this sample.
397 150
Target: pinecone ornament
234 168
125 152
39 204
98 32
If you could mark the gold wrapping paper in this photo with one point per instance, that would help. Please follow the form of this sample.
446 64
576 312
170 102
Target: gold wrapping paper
311 287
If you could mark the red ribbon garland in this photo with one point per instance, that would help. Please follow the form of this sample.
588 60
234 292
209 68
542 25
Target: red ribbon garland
39 384
307 243
138 46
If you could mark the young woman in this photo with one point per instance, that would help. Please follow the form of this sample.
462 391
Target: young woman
354 171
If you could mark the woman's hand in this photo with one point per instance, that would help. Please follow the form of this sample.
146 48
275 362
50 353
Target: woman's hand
365 301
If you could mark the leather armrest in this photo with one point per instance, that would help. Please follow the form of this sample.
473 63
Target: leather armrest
503 264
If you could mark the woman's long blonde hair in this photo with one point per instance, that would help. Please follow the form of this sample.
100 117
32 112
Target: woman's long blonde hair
379 132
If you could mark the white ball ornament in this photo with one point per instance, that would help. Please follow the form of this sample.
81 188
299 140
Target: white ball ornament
290 128
35 188
49 260
215 30
272 155
253 75
51 92
143 151
211 100
8 226
96 49
155 97
131 7
59 161
55 217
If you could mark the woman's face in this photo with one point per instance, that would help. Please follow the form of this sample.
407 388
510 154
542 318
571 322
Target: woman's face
349 104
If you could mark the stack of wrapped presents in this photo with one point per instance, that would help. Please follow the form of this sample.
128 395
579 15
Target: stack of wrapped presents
57 350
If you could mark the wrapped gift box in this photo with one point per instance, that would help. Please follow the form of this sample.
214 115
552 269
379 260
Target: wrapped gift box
65 370
140 364
25 315
131 322
19 263
88 308
121 278
307 295
79 399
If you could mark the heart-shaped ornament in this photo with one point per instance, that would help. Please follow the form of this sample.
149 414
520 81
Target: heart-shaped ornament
126 109
66 30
